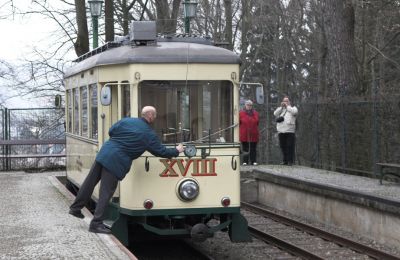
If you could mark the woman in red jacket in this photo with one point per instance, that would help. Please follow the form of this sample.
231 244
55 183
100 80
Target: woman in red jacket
248 120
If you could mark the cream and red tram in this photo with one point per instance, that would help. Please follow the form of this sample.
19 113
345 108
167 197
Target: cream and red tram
194 87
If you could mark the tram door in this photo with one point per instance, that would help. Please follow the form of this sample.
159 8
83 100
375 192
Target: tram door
109 115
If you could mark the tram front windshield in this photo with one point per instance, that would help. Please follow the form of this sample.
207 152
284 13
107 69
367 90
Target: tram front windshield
190 111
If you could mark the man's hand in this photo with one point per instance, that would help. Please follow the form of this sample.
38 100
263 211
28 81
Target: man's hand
180 148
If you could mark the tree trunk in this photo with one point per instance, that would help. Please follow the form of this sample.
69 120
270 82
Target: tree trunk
228 23
245 29
109 20
339 28
81 44
174 15
125 17
167 18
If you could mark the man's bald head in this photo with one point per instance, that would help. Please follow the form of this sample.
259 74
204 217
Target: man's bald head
149 113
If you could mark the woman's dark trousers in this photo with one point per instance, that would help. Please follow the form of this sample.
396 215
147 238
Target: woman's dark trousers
250 150
108 186
287 143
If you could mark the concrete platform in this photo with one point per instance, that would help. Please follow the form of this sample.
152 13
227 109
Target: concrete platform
357 204
35 224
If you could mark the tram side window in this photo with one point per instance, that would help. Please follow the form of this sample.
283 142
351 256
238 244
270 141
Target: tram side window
76 111
198 111
84 111
126 100
93 110
69 116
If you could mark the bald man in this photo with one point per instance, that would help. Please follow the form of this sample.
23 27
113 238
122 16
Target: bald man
129 139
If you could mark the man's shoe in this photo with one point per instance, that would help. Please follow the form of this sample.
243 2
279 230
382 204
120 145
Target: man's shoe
244 164
283 163
99 229
76 213
255 164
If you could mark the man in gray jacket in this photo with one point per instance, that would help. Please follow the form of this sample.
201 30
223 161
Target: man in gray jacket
286 129
129 139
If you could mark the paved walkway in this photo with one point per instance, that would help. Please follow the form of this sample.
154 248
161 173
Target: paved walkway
363 185
35 224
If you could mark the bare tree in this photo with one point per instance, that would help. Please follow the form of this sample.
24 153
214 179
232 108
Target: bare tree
82 40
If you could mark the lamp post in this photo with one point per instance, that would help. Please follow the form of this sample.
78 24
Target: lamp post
189 11
95 11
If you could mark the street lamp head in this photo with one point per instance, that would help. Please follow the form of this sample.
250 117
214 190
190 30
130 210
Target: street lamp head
95 7
189 8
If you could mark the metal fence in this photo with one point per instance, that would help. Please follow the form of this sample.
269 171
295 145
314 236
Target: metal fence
32 139
342 135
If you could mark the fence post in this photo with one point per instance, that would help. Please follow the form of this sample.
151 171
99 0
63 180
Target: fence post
343 126
317 130
3 151
375 138
6 137
266 97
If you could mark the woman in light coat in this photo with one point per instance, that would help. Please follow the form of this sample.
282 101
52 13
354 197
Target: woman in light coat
286 130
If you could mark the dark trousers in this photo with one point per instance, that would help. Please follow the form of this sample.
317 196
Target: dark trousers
287 144
108 186
250 149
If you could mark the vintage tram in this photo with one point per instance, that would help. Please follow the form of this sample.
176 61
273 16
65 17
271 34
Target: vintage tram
195 89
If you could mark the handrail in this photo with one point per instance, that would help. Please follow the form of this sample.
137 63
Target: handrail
7 155
32 141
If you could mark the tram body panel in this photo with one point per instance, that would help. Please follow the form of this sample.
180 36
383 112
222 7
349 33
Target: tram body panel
114 73
81 155
82 79
215 177
184 71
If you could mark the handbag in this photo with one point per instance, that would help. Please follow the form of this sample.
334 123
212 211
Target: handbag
280 118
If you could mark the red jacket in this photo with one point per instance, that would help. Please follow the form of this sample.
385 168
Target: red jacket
248 126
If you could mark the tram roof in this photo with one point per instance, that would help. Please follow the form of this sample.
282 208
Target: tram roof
161 52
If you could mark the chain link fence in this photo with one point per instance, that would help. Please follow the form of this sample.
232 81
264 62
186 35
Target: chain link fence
32 139
342 135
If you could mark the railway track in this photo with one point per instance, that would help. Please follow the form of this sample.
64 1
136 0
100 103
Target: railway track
303 240
168 250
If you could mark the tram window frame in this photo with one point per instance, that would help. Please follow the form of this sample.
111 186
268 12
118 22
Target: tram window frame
69 110
76 114
125 99
94 110
84 111
169 96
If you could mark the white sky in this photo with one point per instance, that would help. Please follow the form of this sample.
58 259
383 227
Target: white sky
19 36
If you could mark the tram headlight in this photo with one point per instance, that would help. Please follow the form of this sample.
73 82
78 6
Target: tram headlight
188 190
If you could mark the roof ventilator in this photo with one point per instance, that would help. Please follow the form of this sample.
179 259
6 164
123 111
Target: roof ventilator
143 32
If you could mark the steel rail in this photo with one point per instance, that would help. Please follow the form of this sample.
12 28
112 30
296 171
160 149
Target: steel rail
360 248
286 246
198 251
